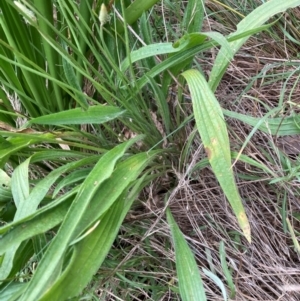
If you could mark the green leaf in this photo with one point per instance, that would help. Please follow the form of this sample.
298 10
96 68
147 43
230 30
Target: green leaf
107 193
73 82
217 281
147 51
39 222
27 203
94 114
12 291
87 256
279 126
17 141
5 187
48 268
193 16
92 247
212 128
189 279
20 183
20 191
186 42
226 271
134 11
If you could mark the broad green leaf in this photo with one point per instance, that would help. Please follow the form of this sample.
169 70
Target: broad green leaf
87 256
47 270
13 146
94 114
37 223
71 179
20 191
19 140
20 183
189 41
24 253
12 291
40 190
189 279
27 203
147 51
255 19
5 187
51 215
107 193
57 155
212 128
92 247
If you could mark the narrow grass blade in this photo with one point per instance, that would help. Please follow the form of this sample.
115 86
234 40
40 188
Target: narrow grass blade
240 157
52 57
193 16
294 238
212 128
94 114
226 271
73 82
217 281
280 126
189 279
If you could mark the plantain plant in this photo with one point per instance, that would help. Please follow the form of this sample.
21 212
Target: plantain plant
86 125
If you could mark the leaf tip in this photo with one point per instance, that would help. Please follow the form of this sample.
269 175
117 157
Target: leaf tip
244 223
